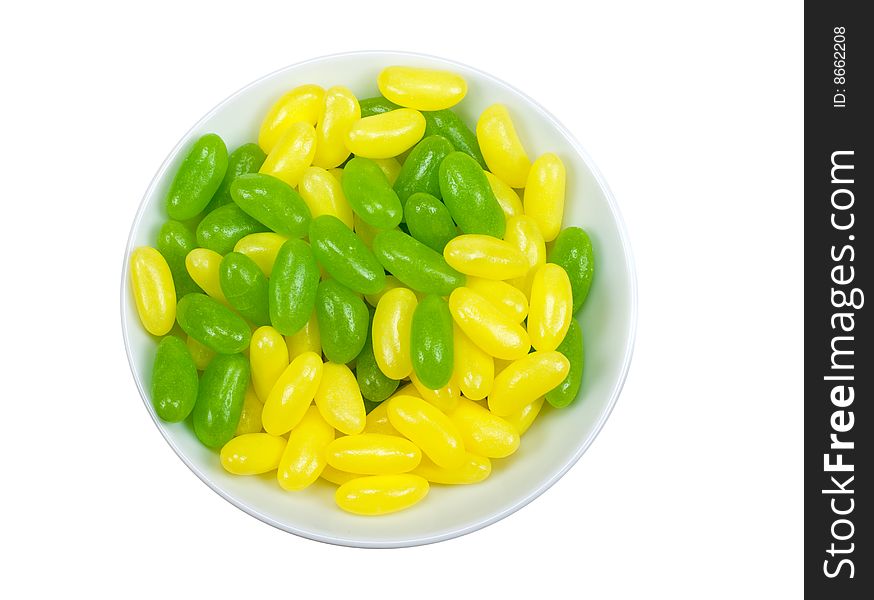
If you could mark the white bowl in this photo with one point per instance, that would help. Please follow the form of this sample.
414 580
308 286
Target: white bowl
556 440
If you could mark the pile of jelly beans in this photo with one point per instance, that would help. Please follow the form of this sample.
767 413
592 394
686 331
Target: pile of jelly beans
362 295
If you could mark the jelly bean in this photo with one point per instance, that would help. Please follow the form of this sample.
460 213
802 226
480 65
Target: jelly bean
292 287
304 457
573 252
303 103
377 419
501 147
448 124
307 339
381 494
391 332
273 203
323 195
544 194
432 351
248 158
292 394
485 256
487 326
391 283
420 88
175 241
508 299
174 380
199 353
204 266
421 171
261 248
343 320
506 196
220 398
213 324
473 470
524 235
292 154
198 177
444 398
415 264
483 433
523 418
268 356
339 112
344 256
474 369
429 221
373 454
336 476
427 427
250 417
244 287
221 229
376 106
390 167
386 135
369 193
468 196
527 379
365 232
153 291
572 347
375 385
252 453
339 399
551 307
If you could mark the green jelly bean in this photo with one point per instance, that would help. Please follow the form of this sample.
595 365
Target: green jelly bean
175 241
431 348
376 106
416 265
292 287
572 251
221 229
572 347
248 158
245 287
342 318
272 202
370 194
174 380
220 399
198 177
213 324
345 256
469 197
429 221
374 384
420 172
448 124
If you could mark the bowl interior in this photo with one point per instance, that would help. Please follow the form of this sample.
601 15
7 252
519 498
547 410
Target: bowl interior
557 438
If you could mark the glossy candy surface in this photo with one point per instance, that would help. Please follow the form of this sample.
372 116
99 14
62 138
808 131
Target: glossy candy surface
420 88
572 347
339 399
268 356
445 398
507 298
448 124
213 324
323 194
501 147
273 203
292 287
344 256
220 398
474 368
551 308
375 385
485 256
198 177
525 380
339 112
573 251
484 433
248 158
431 345
415 264
174 380
304 457
245 287
390 333
370 194
469 197
199 353
387 134
261 248
204 266
307 339
292 394
523 418
421 170
427 427
544 194
381 494
292 153
473 470
153 290
252 453
524 235
221 229
373 454
303 103
506 196
175 241
376 106
429 221
487 326
250 417
343 320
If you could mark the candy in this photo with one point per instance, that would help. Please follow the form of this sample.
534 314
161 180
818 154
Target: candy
204 266
427 427
506 298
415 264
550 310
487 326
422 89
501 147
343 319
572 347
261 248
370 194
252 453
292 394
445 398
292 153
221 229
273 203
572 251
391 332
484 433
212 324
303 459
506 196
303 103
421 171
153 291
250 417
198 177
390 167
469 197
344 256
376 106
485 256
292 287
336 476
175 241
268 356
431 346
248 158
199 353
523 418
324 195
174 380
386 135
339 399
375 385
220 398
544 194
473 470
381 494
474 369
377 419
339 113
373 454
448 124
244 287
527 379
307 339
524 235
429 221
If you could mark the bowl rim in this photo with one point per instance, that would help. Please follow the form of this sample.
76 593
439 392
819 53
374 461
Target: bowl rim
529 496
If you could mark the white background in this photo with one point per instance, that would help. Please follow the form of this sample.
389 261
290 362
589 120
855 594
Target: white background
693 112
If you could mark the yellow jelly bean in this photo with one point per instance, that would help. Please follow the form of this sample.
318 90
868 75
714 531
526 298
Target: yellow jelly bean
268 356
390 167
474 369
430 429
303 459
551 309
386 135
391 282
544 194
203 266
250 418
153 291
523 418
252 453
306 339
484 433
323 194
336 476
303 103
292 154
339 399
485 256
501 147
381 494
523 233
473 470
420 88
200 353
292 394
444 398
377 419
261 248
365 231
339 112
487 326
373 454
506 196
527 379
391 332
510 300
